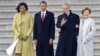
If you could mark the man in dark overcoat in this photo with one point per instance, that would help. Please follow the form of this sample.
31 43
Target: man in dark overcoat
44 31
68 22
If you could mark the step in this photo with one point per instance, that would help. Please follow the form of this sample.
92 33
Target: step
9 19
50 6
3 52
85 1
30 2
4 24
53 10
48 1
56 12
3 55
9 39
8 26
6 36
9 30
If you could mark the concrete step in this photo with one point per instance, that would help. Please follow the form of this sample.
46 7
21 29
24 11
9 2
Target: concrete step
9 31
7 23
29 1
50 6
7 11
96 52
9 19
3 55
84 1
11 16
11 13
6 36
53 10
49 1
9 39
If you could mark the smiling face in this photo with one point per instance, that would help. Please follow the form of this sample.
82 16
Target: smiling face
66 8
22 9
43 6
86 14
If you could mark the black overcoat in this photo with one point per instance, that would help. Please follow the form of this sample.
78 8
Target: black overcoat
43 31
67 43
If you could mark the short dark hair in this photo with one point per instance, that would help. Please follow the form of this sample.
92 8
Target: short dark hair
21 4
43 2
86 8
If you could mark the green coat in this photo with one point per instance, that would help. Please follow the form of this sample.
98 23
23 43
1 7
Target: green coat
23 24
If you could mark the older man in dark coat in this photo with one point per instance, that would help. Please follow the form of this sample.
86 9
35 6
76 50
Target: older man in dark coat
68 23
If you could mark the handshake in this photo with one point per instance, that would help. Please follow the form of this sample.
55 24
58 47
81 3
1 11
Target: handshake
23 37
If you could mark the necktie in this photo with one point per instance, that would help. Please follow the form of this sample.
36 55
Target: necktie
43 16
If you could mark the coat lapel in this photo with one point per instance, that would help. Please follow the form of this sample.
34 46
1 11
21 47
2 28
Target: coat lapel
40 19
44 18
79 38
80 28
85 26
70 15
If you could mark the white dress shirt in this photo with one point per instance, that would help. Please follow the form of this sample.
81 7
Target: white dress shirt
42 13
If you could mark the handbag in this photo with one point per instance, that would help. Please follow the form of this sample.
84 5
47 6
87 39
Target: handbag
11 48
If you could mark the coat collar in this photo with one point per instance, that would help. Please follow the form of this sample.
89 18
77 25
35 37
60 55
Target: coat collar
86 25
69 14
45 16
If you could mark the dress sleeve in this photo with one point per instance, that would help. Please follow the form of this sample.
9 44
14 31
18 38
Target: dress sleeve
31 26
14 26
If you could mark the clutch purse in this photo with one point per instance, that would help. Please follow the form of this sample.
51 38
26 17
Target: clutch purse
11 48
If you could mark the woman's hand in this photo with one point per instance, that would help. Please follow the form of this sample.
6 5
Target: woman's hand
23 37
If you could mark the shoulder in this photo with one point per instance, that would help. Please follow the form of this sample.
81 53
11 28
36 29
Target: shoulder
60 15
16 15
91 19
37 13
74 14
29 14
49 12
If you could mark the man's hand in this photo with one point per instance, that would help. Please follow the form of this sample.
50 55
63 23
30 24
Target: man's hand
51 41
35 41
77 26
63 21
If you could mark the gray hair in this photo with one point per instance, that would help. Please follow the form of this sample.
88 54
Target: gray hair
66 4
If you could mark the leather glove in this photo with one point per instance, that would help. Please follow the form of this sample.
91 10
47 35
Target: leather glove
25 37
21 36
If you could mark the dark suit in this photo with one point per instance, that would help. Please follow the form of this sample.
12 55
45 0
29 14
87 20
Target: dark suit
43 31
67 43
